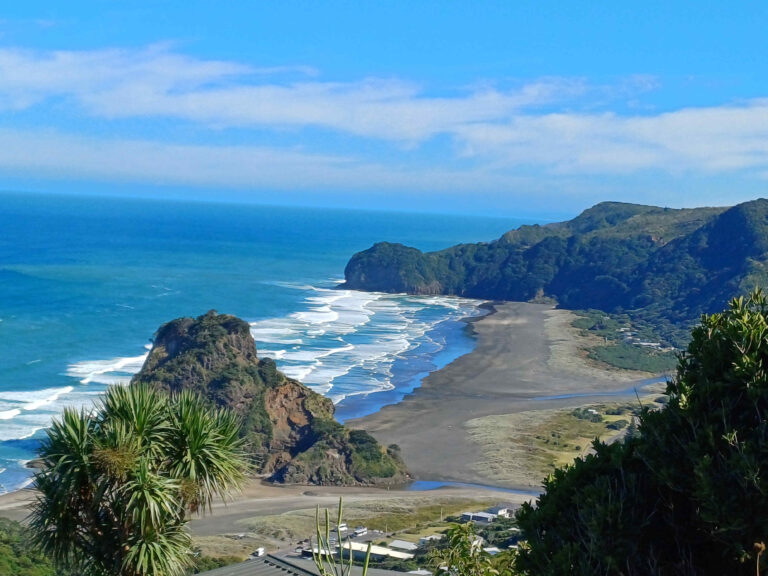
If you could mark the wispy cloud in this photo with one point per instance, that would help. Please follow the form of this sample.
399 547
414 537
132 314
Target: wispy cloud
548 127
158 83
703 140
50 154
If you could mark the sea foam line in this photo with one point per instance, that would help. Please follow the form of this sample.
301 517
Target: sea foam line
90 371
374 329
336 332
8 414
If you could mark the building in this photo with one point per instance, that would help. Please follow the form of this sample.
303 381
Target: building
427 539
360 549
500 511
403 545
503 510
270 565
485 517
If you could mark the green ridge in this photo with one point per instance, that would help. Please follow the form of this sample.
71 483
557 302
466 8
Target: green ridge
662 266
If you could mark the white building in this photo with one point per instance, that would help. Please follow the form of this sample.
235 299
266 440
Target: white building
427 539
403 545
360 549
502 511
484 517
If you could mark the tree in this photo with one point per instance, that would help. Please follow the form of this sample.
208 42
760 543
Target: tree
689 494
118 484
463 555
18 555
709 449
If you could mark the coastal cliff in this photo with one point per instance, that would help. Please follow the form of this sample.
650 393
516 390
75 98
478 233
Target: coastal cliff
665 266
289 430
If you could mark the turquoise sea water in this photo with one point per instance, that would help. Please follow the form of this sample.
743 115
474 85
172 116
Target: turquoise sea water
85 282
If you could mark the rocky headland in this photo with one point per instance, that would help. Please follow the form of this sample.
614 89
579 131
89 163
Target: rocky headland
289 430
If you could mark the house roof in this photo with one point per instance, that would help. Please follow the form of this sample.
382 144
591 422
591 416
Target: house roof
270 565
377 550
403 545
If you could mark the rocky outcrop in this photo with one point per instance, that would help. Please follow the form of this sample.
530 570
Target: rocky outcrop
289 430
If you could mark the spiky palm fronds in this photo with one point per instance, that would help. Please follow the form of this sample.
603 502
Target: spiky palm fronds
116 484
205 451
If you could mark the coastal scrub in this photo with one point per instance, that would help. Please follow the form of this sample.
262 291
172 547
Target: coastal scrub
688 494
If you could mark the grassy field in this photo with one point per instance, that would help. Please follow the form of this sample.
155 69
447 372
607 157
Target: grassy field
522 449
412 515
611 347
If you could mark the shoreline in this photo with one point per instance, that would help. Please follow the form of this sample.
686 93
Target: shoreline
446 326
527 359
522 352
458 338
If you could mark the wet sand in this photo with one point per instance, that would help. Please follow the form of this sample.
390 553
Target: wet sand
524 352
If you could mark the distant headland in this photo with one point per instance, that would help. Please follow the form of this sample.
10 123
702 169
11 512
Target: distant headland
663 266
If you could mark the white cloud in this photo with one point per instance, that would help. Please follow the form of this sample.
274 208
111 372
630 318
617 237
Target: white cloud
703 140
54 155
157 82
550 127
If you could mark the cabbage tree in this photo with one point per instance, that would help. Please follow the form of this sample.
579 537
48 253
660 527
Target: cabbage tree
118 483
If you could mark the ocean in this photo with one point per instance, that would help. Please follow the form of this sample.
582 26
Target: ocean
85 282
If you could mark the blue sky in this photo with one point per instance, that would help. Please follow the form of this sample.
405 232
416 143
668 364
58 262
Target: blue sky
535 109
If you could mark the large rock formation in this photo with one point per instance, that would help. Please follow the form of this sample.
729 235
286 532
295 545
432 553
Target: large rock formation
289 430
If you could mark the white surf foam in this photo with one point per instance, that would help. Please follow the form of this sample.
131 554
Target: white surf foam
296 372
94 370
344 330
318 315
274 354
37 409
8 414
26 483
15 430
47 397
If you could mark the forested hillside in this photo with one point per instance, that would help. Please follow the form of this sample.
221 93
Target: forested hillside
664 266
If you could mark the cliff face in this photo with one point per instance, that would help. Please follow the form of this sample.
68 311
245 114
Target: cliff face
665 266
289 429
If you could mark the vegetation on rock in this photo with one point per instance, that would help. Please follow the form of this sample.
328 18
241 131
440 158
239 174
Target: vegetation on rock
288 429
18 555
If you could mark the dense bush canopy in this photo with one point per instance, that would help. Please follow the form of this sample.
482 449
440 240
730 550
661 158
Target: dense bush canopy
689 494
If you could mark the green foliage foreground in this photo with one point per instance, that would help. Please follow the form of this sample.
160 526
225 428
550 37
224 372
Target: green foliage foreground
18 557
117 484
689 495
